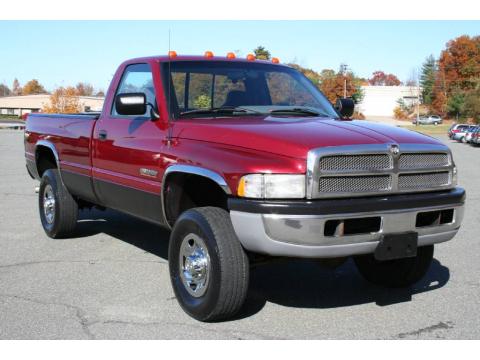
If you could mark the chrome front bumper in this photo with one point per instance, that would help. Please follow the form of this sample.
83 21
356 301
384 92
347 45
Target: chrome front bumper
303 235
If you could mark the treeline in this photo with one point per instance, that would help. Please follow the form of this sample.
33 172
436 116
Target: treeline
34 87
451 82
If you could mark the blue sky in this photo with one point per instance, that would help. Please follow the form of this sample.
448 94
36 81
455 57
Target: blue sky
65 52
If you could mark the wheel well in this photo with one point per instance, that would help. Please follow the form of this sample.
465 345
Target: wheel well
45 159
184 191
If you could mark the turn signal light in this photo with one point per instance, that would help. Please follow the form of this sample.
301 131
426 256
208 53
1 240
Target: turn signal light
208 54
230 55
172 54
250 57
275 60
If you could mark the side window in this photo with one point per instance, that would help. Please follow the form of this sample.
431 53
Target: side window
137 78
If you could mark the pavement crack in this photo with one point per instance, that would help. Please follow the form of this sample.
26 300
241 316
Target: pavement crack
429 329
91 262
79 313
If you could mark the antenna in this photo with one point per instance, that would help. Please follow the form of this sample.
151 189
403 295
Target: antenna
169 125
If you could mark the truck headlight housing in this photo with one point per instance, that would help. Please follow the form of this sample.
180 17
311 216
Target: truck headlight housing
272 186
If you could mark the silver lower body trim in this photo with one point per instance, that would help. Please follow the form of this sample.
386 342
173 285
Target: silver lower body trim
303 235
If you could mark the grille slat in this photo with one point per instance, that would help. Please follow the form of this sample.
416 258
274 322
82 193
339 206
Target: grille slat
422 161
354 184
345 163
423 181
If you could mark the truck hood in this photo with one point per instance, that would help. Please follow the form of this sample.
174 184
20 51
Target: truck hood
293 136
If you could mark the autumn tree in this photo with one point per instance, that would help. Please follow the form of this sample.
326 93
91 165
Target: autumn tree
379 78
100 93
33 87
84 89
472 104
16 88
427 79
4 90
261 53
63 100
460 63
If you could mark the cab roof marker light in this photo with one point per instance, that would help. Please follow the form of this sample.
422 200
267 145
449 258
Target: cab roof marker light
230 55
172 54
251 57
208 54
275 60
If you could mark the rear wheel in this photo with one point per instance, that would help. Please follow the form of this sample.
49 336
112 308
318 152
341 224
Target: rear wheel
58 209
463 139
209 269
395 273
435 123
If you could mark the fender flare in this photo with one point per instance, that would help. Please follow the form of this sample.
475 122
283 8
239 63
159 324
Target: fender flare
194 170
51 147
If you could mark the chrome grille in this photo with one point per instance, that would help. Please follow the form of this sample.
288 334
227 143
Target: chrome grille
354 184
345 163
422 161
423 180
362 170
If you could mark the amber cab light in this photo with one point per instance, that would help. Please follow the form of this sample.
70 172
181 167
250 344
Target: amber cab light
250 57
208 54
172 54
275 60
230 55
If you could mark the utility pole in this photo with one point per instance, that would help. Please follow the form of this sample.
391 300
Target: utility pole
343 71
418 100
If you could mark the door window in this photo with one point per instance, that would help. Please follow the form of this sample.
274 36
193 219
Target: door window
137 78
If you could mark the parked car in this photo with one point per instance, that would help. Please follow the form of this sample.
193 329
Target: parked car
457 128
475 137
461 135
244 159
469 133
428 120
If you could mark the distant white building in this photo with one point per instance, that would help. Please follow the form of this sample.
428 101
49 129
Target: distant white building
381 100
19 105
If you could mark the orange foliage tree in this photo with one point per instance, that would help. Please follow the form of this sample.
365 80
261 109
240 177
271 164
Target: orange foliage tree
33 87
63 100
458 75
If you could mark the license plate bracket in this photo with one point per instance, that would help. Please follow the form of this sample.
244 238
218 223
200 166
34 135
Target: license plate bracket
397 246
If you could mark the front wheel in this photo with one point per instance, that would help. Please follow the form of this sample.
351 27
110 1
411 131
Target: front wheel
395 273
209 269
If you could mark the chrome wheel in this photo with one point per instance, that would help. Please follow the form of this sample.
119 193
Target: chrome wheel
49 204
194 264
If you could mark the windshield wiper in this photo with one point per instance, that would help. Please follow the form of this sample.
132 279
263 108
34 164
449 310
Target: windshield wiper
220 110
302 111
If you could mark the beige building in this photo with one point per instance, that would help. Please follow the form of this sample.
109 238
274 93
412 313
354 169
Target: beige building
19 105
381 100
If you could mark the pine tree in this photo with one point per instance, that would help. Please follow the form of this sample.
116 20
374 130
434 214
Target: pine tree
427 79
262 53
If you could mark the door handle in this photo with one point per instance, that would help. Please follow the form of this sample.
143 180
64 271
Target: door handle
102 135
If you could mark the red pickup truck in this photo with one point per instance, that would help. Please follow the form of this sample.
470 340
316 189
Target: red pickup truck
245 159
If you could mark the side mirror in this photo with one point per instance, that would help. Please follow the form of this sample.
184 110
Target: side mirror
345 107
131 104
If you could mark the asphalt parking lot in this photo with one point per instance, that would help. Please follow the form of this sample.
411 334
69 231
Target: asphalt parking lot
111 282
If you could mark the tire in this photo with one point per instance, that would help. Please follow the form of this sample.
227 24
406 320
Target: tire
222 291
435 123
395 273
64 207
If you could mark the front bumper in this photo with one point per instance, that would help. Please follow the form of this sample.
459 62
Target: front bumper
297 228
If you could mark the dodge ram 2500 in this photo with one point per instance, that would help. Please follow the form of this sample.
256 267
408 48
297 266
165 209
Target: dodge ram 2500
242 159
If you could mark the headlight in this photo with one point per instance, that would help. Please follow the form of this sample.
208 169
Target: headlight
272 186
454 176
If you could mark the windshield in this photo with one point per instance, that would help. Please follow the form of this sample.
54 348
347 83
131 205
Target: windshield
210 88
